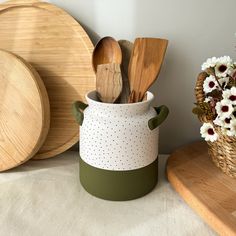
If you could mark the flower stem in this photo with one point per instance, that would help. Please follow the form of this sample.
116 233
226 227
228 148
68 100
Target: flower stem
217 79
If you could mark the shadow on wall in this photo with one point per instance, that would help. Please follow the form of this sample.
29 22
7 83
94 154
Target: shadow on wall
193 36
192 39
131 19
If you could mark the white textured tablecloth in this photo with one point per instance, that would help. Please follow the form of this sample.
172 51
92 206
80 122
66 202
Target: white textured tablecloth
45 198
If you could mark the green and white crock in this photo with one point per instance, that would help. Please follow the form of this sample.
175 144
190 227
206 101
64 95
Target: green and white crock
118 147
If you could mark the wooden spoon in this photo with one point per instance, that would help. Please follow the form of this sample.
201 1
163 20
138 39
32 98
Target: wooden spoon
145 64
108 82
126 48
106 51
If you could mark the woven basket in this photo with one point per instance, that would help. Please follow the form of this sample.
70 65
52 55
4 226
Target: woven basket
222 151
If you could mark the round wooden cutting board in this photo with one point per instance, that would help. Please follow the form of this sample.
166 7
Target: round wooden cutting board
24 111
204 187
60 50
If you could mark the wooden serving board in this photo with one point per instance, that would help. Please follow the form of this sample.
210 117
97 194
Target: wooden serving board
24 111
204 187
60 50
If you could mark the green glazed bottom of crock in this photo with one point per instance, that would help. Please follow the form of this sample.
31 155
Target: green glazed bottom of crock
118 185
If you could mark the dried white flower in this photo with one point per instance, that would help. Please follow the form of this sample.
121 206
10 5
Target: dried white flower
210 62
224 109
209 84
230 94
223 66
208 132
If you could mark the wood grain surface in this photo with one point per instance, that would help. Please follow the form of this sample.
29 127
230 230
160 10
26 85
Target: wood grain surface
204 187
106 51
60 50
24 111
145 64
108 82
126 48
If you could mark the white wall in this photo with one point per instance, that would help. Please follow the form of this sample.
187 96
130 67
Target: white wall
195 29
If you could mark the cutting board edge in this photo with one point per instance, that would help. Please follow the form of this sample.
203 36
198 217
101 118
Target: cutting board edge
59 150
45 106
54 9
214 222
88 46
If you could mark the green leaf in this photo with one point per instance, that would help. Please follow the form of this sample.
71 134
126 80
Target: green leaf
215 94
198 111
231 83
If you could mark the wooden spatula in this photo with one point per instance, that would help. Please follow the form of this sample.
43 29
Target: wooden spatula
126 48
108 82
145 64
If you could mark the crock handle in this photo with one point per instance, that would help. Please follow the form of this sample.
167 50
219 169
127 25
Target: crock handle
162 113
76 109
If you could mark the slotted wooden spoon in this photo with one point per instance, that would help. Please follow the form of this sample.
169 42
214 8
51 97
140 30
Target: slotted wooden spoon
145 64
108 82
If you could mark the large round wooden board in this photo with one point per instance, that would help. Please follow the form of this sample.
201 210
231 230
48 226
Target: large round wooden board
60 50
204 187
24 111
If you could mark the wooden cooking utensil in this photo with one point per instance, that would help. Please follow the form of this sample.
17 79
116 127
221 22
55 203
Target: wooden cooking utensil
24 111
126 48
60 50
109 82
145 64
106 51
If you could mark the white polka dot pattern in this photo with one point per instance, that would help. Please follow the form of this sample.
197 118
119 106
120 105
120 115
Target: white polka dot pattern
117 136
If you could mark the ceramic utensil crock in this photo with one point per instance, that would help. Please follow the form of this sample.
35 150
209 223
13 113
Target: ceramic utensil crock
118 147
